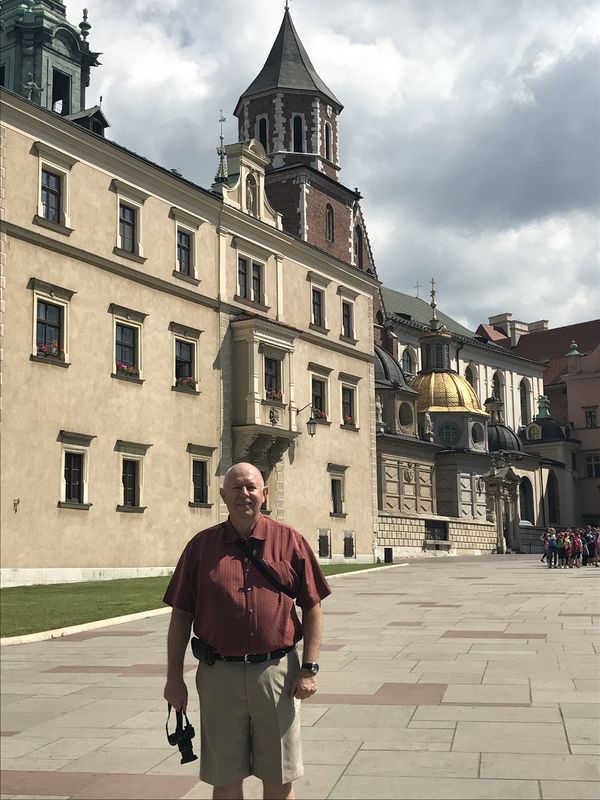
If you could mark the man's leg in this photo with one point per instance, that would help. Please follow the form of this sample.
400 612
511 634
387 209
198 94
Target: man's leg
232 791
278 791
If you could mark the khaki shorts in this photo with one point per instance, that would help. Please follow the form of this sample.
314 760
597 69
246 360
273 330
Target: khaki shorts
249 723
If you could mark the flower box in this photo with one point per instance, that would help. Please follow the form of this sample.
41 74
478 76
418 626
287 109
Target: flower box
52 350
350 421
124 369
186 382
317 413
274 394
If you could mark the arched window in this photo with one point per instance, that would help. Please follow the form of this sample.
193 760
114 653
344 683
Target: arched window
328 153
427 357
358 247
439 356
498 386
526 501
262 132
553 501
469 377
329 229
407 362
524 396
298 129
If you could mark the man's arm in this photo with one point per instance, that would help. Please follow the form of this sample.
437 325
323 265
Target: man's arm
312 629
177 640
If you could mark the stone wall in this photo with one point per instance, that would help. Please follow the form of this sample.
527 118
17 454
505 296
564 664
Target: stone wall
407 538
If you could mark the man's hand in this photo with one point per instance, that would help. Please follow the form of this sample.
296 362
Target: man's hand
304 686
176 694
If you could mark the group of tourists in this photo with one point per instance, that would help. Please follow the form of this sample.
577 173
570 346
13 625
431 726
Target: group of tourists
570 548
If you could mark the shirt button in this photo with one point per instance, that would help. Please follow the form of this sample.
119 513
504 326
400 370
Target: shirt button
251 634
251 610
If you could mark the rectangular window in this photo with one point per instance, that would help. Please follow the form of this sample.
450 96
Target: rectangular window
256 282
127 223
74 477
131 484
318 398
337 495
200 480
348 406
51 196
49 329
591 420
185 357
184 252
243 277
126 349
592 464
273 379
348 544
324 549
318 315
347 322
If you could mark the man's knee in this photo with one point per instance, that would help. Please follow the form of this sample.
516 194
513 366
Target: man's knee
278 791
232 791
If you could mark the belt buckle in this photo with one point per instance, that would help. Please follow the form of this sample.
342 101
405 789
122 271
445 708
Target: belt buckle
247 658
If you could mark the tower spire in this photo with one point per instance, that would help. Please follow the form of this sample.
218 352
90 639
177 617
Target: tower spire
221 176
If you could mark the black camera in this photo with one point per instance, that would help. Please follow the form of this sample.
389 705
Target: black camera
182 737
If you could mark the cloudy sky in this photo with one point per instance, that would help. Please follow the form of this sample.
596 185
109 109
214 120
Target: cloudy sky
471 127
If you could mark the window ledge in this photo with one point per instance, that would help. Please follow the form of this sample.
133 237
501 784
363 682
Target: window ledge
131 509
348 339
336 514
184 390
187 278
319 328
252 303
200 505
126 254
128 378
52 226
278 403
354 428
56 362
321 421
75 506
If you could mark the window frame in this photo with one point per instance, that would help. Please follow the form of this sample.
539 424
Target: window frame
189 336
328 141
329 223
349 536
293 132
348 334
590 417
189 224
75 444
61 298
592 465
59 164
318 283
317 309
337 478
133 198
248 295
129 318
262 118
134 452
349 383
324 533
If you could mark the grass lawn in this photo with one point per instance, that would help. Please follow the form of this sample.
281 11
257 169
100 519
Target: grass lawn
29 609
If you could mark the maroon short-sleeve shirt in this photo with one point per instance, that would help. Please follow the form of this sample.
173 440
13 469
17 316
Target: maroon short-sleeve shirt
236 609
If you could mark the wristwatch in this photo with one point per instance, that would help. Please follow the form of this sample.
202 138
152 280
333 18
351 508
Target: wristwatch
310 666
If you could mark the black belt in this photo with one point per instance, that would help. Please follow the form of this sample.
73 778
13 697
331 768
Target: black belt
251 658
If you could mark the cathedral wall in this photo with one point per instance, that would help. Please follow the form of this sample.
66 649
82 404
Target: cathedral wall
316 219
406 536
284 195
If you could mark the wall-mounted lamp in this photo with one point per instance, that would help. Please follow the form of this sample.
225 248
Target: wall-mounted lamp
311 425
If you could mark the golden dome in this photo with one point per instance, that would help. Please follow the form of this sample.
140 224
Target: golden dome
446 392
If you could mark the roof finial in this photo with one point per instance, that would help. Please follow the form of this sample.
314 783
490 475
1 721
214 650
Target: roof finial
221 176
433 304
84 25
287 5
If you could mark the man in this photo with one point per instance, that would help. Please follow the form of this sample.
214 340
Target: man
249 696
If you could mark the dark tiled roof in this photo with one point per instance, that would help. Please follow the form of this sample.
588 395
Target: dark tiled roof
388 372
500 437
289 67
552 346
414 308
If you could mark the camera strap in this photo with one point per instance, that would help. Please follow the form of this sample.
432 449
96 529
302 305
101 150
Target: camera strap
263 568
179 715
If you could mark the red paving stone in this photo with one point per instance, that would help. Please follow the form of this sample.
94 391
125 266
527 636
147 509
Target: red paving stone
95 786
492 635
389 694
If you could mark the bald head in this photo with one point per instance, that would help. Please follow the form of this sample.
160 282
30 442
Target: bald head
243 492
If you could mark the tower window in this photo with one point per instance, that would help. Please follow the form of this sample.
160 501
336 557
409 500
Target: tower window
328 153
358 247
61 92
262 132
298 134
407 363
329 229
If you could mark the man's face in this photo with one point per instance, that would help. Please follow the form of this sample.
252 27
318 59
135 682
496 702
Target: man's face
244 493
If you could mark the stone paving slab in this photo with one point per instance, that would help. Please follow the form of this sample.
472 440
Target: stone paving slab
449 678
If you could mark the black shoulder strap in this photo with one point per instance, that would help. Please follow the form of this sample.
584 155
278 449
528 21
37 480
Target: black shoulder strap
263 568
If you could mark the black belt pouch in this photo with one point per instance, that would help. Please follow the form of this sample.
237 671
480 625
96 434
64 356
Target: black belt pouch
203 652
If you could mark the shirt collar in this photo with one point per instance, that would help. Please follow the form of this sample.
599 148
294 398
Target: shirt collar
259 531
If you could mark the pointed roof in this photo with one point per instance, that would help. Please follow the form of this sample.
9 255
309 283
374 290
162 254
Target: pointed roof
288 67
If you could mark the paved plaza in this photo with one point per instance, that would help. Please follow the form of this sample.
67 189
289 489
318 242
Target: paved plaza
446 678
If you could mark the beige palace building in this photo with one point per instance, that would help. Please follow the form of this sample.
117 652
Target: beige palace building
154 333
